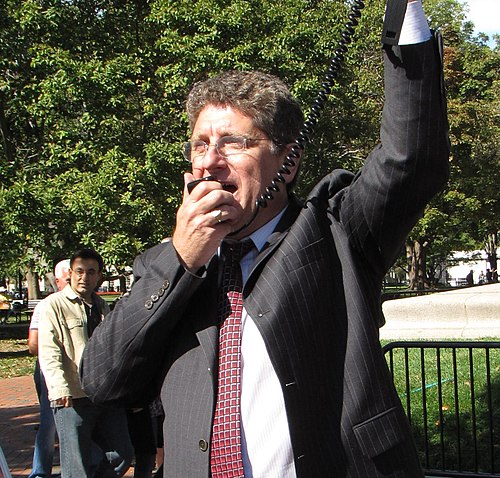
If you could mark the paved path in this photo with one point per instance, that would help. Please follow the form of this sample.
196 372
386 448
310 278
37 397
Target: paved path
18 419
466 313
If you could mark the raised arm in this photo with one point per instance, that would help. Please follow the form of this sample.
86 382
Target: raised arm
411 163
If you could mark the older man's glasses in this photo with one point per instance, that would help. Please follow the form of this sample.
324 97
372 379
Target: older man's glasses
225 146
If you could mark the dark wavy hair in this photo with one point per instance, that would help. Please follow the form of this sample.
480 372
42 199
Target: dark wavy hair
262 97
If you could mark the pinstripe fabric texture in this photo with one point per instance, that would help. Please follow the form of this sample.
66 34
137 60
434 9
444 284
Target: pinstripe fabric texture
313 293
225 455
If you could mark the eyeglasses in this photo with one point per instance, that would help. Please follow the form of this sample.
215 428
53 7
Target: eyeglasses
225 146
81 272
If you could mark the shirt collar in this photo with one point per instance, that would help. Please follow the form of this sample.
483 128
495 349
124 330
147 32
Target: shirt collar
260 236
69 293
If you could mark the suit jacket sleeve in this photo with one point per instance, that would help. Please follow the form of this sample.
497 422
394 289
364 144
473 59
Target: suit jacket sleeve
123 359
409 166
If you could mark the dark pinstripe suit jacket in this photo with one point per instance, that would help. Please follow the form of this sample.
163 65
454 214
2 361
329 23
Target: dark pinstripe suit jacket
314 293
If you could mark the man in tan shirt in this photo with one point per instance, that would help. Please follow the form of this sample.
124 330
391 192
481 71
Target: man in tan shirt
68 320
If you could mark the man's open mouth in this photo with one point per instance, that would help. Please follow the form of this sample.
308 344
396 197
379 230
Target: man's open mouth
229 187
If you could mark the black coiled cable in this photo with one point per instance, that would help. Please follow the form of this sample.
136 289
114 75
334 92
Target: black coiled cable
311 121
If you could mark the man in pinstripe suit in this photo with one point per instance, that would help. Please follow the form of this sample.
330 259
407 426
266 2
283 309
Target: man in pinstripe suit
316 396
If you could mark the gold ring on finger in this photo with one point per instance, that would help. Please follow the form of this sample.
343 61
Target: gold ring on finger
217 214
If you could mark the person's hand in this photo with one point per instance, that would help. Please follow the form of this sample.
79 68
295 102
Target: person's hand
66 402
204 218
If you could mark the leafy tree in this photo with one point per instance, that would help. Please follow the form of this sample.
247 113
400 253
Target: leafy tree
91 110
76 169
464 215
91 113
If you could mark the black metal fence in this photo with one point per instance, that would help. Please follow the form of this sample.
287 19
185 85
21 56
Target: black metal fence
451 394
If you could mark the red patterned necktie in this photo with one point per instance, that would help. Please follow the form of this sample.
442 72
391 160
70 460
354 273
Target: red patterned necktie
225 453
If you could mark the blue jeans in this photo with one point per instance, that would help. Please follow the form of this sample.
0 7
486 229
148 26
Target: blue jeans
46 434
80 427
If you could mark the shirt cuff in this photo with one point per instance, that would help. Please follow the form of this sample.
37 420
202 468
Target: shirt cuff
415 28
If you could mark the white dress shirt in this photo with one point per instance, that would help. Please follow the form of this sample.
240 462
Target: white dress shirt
266 445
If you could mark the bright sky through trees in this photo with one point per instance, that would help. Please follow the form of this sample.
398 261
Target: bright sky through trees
485 15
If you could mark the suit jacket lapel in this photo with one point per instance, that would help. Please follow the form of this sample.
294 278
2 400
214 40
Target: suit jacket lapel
275 239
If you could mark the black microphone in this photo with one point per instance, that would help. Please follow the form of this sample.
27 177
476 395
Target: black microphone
190 186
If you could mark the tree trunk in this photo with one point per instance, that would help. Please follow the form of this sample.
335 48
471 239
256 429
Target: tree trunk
491 249
4 131
50 280
415 254
123 284
33 286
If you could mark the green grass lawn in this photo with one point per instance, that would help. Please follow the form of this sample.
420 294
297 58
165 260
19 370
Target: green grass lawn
454 414
15 360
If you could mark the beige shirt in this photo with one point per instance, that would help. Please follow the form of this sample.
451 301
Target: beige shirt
62 336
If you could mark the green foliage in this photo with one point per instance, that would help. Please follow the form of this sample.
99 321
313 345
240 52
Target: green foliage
76 170
446 399
92 100
467 212
91 112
